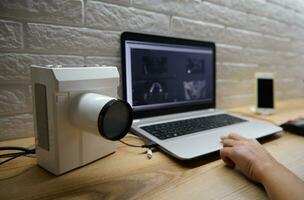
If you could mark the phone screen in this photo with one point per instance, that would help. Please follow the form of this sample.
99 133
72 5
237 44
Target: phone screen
265 93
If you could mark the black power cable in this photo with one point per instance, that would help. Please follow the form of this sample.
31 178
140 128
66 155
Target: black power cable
24 151
15 148
9 155
146 145
16 156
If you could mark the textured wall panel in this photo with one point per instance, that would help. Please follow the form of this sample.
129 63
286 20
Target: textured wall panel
251 36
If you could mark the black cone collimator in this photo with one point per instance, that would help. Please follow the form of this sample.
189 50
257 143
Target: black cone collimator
115 119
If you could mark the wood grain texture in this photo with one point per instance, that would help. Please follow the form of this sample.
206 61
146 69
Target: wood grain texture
128 174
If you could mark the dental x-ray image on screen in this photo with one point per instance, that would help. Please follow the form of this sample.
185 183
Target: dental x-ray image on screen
162 76
194 89
195 66
155 65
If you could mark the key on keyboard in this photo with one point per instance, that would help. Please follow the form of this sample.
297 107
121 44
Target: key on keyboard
183 127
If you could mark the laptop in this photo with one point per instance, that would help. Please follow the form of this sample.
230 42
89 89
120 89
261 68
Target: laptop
171 85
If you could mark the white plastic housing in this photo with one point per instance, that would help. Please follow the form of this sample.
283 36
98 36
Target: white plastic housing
86 109
62 146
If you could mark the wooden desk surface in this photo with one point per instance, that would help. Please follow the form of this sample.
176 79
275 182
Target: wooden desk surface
128 174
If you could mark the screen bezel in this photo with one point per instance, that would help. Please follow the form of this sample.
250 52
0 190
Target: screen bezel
165 40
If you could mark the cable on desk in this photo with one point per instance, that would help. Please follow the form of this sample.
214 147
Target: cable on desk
11 156
149 145
15 148
131 145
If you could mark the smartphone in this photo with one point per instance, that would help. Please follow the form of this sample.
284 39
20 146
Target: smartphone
264 93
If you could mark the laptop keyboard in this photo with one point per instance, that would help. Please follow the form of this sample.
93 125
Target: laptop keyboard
183 127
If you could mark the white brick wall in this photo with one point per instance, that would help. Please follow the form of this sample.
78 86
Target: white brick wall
255 35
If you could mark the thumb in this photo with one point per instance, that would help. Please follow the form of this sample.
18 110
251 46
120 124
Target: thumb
225 154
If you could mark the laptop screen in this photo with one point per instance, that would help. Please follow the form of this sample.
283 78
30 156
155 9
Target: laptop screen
160 75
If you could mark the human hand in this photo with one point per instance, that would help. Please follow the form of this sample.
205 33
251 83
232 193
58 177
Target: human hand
248 154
